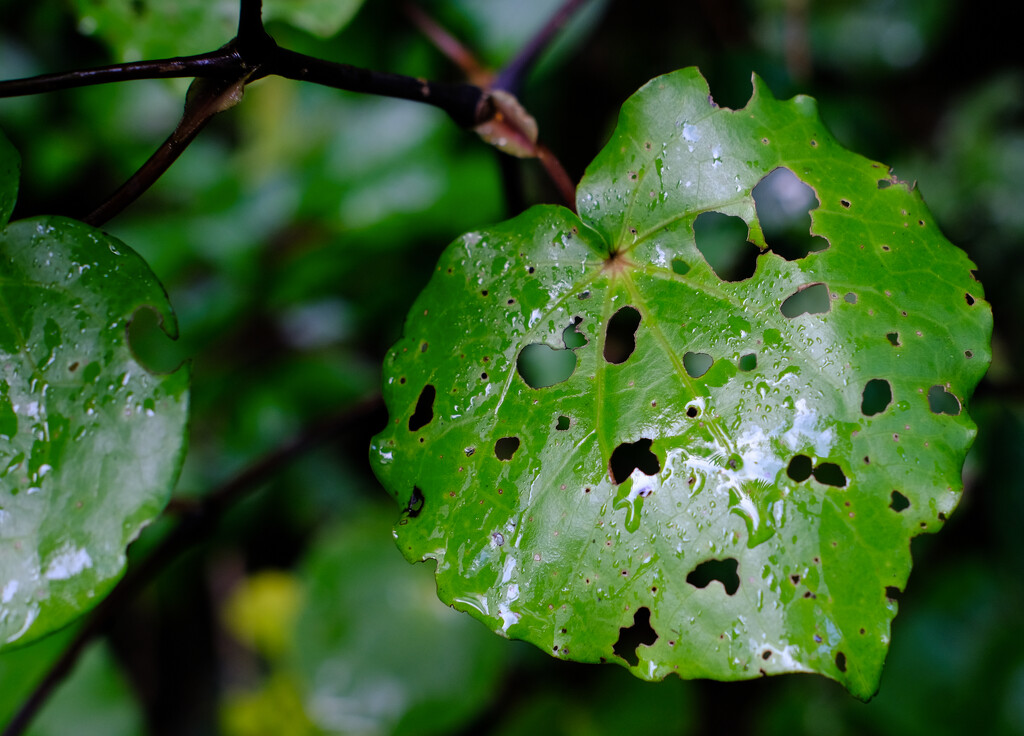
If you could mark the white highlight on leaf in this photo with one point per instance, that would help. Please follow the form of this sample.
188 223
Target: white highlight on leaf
67 562
7 594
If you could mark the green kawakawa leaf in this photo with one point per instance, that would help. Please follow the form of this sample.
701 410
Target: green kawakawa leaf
90 442
616 454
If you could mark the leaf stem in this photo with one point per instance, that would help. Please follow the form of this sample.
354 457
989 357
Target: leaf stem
190 530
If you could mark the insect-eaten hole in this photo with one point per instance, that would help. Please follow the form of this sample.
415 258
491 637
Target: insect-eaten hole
572 338
697 364
829 474
799 468
633 637
506 447
723 571
541 365
850 298
562 423
722 240
784 205
415 504
893 338
809 299
892 592
841 661
151 345
680 267
693 411
620 335
941 401
748 362
898 502
424 411
876 397
630 456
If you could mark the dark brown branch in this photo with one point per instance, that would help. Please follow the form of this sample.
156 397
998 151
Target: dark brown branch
467 104
511 77
224 61
190 530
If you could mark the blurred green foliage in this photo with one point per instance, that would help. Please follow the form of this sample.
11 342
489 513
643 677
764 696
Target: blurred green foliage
295 233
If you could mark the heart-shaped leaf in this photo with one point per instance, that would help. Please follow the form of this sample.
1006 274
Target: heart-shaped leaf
90 442
619 446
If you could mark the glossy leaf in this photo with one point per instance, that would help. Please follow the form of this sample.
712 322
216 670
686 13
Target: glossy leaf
704 493
90 442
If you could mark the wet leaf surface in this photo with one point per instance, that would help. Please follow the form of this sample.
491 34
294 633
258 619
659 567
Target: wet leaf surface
744 510
90 442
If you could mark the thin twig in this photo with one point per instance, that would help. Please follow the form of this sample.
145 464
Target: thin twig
511 77
190 530
206 98
223 61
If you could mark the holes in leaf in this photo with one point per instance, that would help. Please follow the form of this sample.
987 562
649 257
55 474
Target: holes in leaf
722 240
941 401
620 335
898 502
150 344
573 338
541 365
630 456
506 447
829 474
893 338
724 571
680 267
969 299
876 397
415 504
693 412
697 364
884 183
893 593
810 299
784 205
850 298
799 468
424 412
633 637
748 362
841 662
562 424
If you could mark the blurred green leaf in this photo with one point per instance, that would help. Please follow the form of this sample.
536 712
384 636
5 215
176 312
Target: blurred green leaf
93 700
711 491
153 29
376 651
